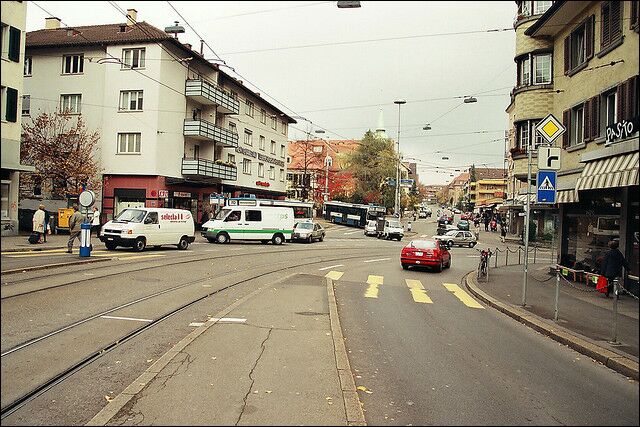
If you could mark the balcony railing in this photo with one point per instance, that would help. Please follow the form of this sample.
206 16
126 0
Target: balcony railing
208 94
201 129
203 168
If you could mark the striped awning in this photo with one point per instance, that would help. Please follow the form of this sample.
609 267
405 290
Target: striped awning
522 198
567 196
615 171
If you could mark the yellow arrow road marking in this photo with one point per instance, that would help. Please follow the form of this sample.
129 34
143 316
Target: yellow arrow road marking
462 295
374 282
418 292
334 275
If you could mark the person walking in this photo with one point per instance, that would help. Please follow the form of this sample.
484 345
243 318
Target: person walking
503 231
38 223
612 265
47 224
486 223
95 221
75 220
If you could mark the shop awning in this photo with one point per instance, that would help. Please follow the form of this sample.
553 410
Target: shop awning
615 171
522 198
567 196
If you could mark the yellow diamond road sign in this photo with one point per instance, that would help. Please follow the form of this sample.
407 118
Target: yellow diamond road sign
550 128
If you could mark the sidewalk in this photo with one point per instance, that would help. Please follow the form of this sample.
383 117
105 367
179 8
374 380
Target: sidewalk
20 243
585 317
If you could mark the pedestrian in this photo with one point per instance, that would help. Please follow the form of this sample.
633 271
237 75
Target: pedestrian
95 221
503 231
47 225
409 226
612 265
75 220
477 227
486 223
38 223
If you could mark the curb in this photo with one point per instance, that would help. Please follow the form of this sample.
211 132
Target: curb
615 361
61 264
352 405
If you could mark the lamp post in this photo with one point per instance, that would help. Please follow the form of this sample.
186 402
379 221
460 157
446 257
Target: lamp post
328 161
397 194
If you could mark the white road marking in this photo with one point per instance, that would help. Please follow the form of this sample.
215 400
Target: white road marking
379 259
196 324
227 320
333 266
126 318
354 232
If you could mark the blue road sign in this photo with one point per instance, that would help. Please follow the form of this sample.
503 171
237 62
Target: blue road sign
546 182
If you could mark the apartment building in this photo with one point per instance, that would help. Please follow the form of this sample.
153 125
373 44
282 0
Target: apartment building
486 188
176 131
579 61
14 15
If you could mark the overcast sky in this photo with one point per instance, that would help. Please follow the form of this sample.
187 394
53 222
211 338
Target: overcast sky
428 53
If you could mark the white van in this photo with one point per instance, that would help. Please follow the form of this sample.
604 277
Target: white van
141 227
262 223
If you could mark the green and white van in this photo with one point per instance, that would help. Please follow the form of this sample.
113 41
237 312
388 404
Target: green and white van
264 223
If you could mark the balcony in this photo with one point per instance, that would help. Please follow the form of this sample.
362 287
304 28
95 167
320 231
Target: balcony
208 94
205 131
206 169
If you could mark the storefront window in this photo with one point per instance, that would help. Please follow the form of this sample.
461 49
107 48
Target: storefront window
633 235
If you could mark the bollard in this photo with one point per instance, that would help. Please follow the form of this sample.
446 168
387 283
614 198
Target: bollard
614 340
535 253
85 239
496 265
518 256
506 258
555 313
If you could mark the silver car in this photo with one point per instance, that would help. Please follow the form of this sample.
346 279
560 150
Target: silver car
308 231
459 238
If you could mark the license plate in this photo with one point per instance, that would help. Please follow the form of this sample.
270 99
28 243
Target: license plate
109 238
419 253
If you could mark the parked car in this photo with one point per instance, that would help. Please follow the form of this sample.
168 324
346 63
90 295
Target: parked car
443 220
425 252
467 215
463 224
264 223
392 230
445 229
458 238
308 231
457 211
370 229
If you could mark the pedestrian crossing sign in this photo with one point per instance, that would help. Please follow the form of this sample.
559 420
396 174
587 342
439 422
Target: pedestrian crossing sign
547 191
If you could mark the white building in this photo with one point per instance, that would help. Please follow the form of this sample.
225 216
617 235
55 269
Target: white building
176 131
14 15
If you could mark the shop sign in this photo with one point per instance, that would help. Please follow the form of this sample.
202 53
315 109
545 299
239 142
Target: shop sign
163 193
262 184
270 160
181 194
246 152
621 130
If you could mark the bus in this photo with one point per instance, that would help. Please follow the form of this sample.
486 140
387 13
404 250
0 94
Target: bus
301 210
352 214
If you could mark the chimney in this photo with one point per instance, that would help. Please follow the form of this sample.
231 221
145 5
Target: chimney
51 23
132 17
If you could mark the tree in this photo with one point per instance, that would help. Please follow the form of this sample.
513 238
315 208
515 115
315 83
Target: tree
372 163
311 164
63 151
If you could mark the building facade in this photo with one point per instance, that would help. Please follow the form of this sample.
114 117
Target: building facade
14 14
176 131
579 62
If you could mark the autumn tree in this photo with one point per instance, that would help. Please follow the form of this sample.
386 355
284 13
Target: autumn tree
63 151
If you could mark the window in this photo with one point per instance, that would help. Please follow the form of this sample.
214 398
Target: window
542 69
273 147
152 218
540 7
611 24
526 130
248 137
133 58
4 196
282 175
523 136
9 104
272 172
231 158
578 46
525 72
233 128
248 108
10 43
26 105
609 108
262 142
129 143
233 94
577 125
28 65
274 123
246 166
253 215
525 8
261 169
71 103
263 116
72 64
233 216
131 100
196 151
284 127
537 139
282 151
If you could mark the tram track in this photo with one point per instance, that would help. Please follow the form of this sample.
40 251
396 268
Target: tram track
96 354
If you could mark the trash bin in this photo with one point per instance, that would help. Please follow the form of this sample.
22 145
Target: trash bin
85 239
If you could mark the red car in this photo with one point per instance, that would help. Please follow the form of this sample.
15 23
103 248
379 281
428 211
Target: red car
427 252
468 216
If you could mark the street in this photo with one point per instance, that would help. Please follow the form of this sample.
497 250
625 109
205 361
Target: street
422 350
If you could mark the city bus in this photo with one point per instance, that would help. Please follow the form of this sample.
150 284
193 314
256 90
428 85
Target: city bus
301 210
352 214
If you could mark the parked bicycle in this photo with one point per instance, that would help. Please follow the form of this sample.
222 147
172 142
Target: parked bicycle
483 265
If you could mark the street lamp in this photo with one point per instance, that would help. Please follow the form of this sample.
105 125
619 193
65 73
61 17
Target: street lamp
328 161
469 100
397 195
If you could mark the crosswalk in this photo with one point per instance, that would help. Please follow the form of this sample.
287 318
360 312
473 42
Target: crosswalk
375 289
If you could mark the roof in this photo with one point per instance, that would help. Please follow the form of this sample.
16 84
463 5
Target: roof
315 160
460 179
556 18
489 173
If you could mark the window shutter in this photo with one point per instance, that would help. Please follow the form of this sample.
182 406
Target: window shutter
633 97
621 95
588 36
14 44
567 54
12 105
635 16
595 117
605 29
587 120
615 20
566 121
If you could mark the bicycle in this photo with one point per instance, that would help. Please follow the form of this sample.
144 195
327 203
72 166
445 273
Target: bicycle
483 265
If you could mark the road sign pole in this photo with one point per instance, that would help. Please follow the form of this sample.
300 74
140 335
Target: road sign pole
526 229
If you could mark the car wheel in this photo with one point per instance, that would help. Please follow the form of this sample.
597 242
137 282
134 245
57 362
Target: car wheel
277 239
211 239
183 244
310 239
322 237
448 264
471 244
140 244
450 243
405 267
440 267
110 246
222 238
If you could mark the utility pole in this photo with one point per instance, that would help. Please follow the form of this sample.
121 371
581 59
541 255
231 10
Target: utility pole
526 227
397 196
